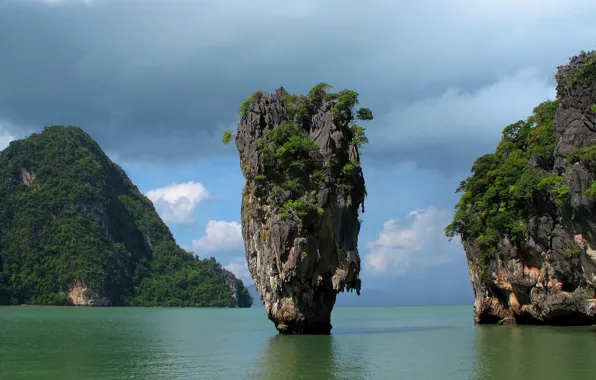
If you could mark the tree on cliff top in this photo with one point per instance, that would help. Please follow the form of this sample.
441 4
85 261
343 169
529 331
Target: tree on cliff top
508 187
505 189
296 107
293 158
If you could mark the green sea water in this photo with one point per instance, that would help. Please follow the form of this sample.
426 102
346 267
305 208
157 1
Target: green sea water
51 343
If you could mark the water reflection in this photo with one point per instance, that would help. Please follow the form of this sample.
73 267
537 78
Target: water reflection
81 345
292 357
534 352
388 329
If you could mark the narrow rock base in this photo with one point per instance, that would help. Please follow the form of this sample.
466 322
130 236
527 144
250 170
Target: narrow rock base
304 328
290 317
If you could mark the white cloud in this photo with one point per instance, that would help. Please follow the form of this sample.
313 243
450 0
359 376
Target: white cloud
220 236
5 139
177 203
399 249
5 135
240 270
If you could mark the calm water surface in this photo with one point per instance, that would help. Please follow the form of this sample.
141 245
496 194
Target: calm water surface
367 343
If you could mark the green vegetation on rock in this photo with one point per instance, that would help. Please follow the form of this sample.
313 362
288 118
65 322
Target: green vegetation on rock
556 184
247 103
359 137
591 191
585 74
574 250
505 187
69 215
521 214
227 137
319 92
586 156
296 107
294 165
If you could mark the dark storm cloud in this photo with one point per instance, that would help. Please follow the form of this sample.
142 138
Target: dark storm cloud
160 80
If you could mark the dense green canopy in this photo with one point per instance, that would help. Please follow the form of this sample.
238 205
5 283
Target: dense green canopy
506 187
68 214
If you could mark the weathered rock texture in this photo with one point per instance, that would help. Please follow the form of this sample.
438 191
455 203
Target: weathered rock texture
539 282
299 266
80 295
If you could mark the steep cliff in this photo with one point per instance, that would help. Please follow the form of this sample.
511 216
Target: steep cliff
304 187
75 230
527 215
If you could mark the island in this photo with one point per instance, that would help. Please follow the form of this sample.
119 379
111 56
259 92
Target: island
74 230
304 188
527 214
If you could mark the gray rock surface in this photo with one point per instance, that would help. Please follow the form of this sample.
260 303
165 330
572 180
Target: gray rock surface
300 264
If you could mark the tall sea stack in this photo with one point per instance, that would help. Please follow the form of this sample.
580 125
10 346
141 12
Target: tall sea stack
527 215
303 191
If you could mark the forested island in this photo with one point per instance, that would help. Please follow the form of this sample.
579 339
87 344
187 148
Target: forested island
526 215
74 230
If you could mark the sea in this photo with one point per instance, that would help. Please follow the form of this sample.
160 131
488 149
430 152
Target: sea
68 343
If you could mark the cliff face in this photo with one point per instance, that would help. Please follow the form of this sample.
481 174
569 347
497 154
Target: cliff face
303 189
74 230
79 295
527 216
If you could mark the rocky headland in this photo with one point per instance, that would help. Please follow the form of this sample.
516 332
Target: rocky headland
527 214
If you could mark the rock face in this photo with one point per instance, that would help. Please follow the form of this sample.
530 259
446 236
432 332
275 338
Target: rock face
80 295
303 190
548 276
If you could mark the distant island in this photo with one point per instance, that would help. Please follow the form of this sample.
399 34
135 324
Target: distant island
74 230
526 214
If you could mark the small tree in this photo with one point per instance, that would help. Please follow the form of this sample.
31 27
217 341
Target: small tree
364 114
227 137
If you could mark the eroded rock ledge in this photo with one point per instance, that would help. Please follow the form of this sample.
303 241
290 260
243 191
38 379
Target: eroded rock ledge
303 191
527 214
80 295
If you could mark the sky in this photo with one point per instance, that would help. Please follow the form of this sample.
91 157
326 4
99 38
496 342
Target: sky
157 82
